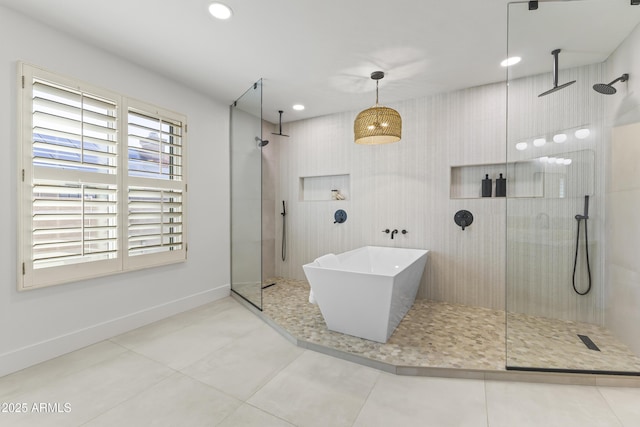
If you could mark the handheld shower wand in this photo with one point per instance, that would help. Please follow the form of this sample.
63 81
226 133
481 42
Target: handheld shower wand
584 217
585 214
284 232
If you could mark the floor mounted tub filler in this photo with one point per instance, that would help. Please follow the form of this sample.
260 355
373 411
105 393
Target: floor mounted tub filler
367 291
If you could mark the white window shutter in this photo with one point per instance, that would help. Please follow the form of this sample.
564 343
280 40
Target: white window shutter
101 182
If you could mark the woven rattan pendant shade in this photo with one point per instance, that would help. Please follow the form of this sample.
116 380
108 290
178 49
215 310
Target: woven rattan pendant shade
378 124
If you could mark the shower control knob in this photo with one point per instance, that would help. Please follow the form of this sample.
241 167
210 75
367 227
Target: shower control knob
386 230
340 216
463 218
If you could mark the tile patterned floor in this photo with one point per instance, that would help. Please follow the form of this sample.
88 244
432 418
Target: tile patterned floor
443 335
238 371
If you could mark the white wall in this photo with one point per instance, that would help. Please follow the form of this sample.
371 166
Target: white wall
404 185
622 313
40 324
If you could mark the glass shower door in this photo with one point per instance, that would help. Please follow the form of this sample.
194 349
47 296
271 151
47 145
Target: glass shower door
246 195
558 142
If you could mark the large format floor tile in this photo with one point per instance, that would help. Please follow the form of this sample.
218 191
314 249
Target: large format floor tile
417 401
246 364
28 380
625 403
249 416
523 405
317 390
186 345
176 401
91 391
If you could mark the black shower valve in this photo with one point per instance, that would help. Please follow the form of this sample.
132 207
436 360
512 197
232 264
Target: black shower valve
463 218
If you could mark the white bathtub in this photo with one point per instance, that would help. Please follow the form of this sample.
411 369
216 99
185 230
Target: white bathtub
367 291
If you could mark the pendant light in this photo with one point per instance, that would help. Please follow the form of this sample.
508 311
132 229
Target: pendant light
378 124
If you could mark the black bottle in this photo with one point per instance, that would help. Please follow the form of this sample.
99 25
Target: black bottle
501 187
486 186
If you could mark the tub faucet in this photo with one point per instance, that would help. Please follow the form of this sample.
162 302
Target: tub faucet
393 233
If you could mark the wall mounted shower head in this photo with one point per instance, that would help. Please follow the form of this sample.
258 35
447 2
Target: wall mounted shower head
261 142
555 87
608 89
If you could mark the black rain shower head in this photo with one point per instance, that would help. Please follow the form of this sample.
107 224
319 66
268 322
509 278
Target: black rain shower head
608 89
555 87
261 142
280 133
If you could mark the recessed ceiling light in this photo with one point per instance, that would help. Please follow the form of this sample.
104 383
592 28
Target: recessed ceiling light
298 107
220 11
520 146
511 61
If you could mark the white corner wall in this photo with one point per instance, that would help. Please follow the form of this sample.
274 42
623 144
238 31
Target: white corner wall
622 313
40 324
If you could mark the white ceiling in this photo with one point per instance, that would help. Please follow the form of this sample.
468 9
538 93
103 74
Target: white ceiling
321 53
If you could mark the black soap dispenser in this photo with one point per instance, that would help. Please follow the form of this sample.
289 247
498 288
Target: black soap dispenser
501 187
486 186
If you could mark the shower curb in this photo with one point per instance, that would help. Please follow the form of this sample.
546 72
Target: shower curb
587 379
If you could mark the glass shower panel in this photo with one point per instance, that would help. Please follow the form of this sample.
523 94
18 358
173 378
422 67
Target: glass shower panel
246 195
558 134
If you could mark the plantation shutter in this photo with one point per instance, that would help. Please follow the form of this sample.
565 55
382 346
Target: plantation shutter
71 182
102 186
155 187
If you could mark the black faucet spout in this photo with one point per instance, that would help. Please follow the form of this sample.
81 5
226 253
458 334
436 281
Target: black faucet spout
394 232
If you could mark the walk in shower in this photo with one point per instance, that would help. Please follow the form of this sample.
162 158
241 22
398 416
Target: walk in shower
572 293
546 279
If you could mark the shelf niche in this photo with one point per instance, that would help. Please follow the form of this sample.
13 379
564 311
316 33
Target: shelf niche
318 188
524 179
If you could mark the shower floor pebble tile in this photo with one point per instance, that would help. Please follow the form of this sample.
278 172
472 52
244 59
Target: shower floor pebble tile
443 335
431 334
554 344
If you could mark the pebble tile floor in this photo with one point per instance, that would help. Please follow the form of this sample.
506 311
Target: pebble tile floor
443 335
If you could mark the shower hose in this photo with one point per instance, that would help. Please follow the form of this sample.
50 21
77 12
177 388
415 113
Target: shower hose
284 232
575 259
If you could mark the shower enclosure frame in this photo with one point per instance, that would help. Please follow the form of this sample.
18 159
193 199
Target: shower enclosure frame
245 152
544 202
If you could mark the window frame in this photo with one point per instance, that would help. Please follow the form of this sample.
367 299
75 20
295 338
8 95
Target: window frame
29 277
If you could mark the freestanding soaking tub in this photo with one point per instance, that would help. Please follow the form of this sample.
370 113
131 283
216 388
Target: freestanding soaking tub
367 291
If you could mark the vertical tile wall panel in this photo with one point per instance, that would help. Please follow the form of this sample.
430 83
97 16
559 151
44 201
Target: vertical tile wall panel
404 186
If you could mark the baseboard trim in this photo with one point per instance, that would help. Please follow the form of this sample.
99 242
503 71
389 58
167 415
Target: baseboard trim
33 354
